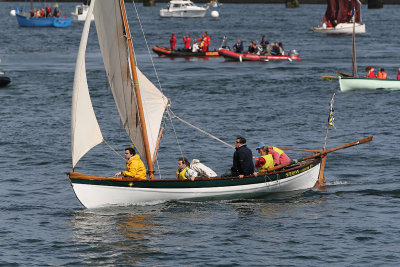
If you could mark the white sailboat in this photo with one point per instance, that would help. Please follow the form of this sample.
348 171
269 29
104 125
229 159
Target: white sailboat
354 82
338 19
141 107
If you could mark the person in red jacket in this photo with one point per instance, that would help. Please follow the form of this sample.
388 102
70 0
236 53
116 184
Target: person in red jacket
370 72
187 41
172 42
205 42
398 75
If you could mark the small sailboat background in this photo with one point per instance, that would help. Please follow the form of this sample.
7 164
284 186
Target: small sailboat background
338 14
141 107
354 82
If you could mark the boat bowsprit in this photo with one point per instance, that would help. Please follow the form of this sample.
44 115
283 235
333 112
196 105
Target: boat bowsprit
231 55
163 51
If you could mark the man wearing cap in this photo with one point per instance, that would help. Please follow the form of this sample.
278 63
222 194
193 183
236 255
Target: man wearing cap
242 160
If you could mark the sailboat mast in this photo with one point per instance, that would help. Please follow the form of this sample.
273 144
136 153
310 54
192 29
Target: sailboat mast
355 74
137 91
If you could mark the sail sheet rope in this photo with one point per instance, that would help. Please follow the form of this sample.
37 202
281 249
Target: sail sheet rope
197 128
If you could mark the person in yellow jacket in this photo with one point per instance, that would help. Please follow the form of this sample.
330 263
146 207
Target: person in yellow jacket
184 172
264 162
134 166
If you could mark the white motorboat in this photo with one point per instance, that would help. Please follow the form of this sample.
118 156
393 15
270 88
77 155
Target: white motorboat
340 16
81 12
183 9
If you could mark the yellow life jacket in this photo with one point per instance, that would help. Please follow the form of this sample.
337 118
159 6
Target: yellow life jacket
180 175
278 150
269 163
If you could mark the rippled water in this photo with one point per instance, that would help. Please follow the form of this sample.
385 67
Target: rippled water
353 223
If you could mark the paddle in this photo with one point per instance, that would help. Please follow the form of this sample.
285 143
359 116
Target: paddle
323 152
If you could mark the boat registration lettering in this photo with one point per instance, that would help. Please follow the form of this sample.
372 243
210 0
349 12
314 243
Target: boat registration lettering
291 173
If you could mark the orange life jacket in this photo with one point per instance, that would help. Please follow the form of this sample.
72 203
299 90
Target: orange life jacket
382 75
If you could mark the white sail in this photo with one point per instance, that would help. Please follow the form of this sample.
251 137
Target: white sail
114 49
154 104
85 130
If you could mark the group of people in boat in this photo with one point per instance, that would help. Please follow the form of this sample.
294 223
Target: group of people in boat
200 44
380 75
45 12
243 164
261 48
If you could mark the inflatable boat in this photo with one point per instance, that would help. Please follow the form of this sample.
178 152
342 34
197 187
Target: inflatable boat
230 55
163 51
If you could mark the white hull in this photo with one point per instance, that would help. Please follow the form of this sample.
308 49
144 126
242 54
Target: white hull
81 17
342 28
183 13
349 84
94 196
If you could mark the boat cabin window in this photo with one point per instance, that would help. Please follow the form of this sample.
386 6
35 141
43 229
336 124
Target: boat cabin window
176 5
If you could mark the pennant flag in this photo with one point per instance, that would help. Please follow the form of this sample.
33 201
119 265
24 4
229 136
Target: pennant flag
331 112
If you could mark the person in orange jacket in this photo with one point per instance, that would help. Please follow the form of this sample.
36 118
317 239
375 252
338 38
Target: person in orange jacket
172 42
382 74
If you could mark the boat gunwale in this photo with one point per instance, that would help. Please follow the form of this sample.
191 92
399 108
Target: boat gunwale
76 177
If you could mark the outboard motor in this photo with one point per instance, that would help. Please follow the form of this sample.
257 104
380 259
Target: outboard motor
293 52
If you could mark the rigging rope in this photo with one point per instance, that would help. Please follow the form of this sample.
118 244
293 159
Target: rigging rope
104 140
197 128
147 46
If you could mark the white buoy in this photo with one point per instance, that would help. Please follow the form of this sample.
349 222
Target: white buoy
214 14
12 12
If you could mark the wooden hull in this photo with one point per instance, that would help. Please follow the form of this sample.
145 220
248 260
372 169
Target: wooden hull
350 84
27 21
342 29
94 191
230 55
163 51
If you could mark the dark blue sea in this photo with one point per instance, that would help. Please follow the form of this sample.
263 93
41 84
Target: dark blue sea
353 222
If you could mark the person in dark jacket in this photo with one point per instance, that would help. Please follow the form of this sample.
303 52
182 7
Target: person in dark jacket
242 160
238 47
